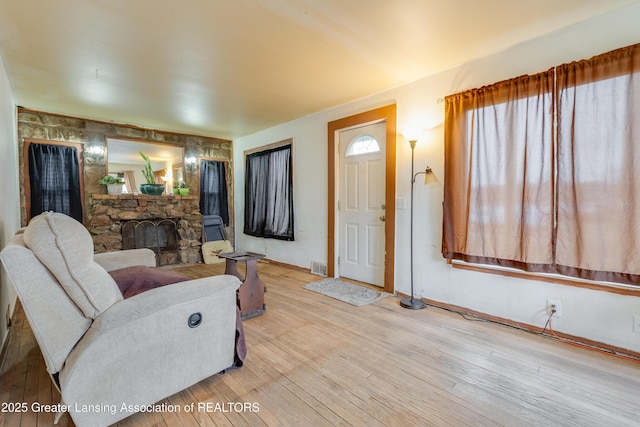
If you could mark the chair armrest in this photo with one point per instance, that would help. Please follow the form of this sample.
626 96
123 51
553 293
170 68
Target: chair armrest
156 302
128 258
142 349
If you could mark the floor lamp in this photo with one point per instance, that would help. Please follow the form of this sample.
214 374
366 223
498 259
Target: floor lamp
429 177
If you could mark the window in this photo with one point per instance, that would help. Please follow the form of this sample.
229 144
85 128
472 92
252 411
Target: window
363 144
268 192
53 178
213 189
540 171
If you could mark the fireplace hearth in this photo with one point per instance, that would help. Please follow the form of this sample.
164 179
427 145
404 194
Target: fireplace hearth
171 226
159 235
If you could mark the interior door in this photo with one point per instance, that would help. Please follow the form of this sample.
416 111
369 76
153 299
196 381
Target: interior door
361 202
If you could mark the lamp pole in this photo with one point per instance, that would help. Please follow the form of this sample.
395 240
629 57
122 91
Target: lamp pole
412 303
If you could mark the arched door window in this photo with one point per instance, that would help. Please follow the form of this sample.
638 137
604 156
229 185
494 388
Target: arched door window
363 144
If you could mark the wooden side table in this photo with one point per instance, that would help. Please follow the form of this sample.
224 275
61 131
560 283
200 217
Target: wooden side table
251 292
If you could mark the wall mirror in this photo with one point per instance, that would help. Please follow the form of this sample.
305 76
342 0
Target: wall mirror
124 160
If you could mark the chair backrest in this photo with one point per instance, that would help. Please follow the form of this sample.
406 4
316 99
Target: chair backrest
60 286
57 323
65 247
213 228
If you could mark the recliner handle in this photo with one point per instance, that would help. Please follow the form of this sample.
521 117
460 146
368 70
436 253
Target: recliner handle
194 320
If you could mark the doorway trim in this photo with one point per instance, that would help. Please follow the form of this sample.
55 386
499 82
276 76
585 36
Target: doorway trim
388 115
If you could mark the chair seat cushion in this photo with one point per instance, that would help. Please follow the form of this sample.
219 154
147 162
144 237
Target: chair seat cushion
210 250
137 279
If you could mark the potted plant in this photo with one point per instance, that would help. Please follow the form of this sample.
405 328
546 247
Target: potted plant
176 187
114 184
150 188
184 188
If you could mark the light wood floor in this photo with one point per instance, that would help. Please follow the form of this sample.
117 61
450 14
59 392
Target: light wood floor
315 361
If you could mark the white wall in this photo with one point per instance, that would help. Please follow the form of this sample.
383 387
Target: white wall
598 316
309 186
10 205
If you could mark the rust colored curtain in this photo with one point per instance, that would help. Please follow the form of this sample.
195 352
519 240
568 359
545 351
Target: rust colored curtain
498 201
130 181
158 176
598 223
543 176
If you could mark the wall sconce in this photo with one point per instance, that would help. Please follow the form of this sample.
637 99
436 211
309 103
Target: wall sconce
190 163
94 154
429 178
95 150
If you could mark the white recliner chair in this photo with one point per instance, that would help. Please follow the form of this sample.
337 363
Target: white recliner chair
101 349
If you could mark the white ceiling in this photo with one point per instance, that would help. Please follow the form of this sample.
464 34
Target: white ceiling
228 68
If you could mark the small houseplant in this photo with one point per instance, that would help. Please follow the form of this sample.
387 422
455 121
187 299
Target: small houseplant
150 188
114 184
183 188
176 187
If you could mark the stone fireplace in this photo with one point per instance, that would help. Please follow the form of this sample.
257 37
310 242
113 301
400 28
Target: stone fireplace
159 235
171 226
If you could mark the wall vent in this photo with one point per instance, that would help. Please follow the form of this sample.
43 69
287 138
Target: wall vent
318 268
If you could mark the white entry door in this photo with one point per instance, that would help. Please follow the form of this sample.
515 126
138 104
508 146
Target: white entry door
361 205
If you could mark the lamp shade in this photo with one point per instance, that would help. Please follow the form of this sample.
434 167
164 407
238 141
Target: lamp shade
430 177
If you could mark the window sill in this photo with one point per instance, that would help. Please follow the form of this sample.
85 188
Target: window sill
615 288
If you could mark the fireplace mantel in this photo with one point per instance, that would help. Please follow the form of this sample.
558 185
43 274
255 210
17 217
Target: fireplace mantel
109 213
142 197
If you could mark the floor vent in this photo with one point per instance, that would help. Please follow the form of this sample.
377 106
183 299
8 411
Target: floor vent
318 268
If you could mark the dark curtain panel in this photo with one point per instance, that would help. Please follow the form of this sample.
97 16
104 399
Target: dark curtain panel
54 177
269 194
213 190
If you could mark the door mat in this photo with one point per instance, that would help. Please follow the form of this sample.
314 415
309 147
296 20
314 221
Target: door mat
344 291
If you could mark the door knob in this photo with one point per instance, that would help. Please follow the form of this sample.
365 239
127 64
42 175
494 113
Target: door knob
382 218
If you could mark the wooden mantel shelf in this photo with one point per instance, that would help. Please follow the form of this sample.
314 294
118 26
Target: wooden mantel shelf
142 196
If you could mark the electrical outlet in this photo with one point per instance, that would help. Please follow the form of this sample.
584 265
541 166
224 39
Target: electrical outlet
555 304
636 323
